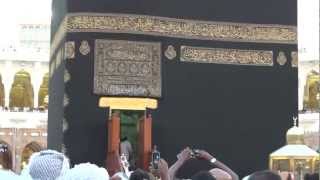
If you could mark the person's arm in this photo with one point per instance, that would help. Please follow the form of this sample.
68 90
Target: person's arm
174 169
182 158
163 170
205 155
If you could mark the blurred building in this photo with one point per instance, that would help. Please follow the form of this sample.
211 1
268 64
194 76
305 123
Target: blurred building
309 101
24 95
309 85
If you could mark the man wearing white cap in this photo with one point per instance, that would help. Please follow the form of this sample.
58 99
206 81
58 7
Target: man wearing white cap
46 165
86 171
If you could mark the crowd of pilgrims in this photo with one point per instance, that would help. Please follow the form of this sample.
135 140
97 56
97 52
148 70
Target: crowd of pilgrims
53 165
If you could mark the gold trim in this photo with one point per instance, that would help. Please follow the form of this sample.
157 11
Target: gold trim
52 68
127 68
289 157
56 62
270 164
291 164
59 58
294 59
69 50
122 103
58 37
172 27
226 56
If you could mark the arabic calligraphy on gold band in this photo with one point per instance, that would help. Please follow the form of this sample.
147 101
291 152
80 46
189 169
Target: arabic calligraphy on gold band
226 56
172 27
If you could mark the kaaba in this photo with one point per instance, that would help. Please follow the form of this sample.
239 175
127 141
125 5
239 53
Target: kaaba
220 75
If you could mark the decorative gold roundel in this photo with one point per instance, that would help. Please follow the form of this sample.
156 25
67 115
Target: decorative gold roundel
282 59
84 48
170 53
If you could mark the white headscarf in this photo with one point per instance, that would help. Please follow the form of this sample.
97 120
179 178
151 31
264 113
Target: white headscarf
46 165
7 174
86 171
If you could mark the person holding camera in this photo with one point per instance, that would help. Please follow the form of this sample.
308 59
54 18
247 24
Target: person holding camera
158 166
220 172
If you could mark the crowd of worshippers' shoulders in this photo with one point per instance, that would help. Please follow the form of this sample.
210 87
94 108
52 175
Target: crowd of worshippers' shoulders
53 165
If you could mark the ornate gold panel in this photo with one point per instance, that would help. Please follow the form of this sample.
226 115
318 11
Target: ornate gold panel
127 68
226 56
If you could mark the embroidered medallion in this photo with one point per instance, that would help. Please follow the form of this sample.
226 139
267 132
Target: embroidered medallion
281 59
84 48
69 50
170 53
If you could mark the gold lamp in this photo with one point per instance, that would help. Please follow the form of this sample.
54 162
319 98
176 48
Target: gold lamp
21 94
2 95
43 92
312 92
295 157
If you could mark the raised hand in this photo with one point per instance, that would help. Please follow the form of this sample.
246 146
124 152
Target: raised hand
185 155
163 170
204 155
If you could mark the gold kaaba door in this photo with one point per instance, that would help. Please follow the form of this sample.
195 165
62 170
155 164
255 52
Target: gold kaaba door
128 120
